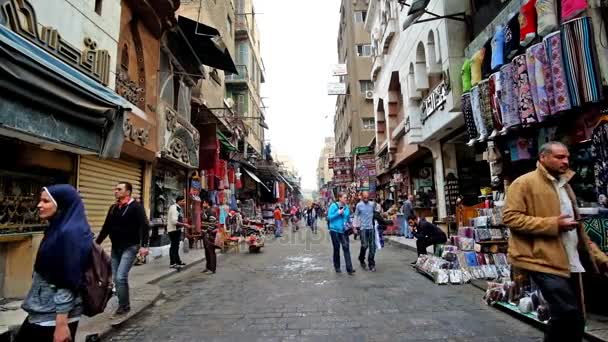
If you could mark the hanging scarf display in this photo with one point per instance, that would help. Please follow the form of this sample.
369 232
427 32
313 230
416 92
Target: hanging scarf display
509 98
512 37
476 107
547 17
495 95
486 62
468 117
599 152
580 64
524 95
539 72
476 62
498 48
486 106
572 8
527 22
561 97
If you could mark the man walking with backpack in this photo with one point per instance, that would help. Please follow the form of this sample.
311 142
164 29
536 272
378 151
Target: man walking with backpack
127 226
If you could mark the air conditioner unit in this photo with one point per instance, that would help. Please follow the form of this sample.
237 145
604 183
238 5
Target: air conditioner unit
369 94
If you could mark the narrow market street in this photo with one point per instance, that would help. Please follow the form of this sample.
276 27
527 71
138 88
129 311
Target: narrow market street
290 292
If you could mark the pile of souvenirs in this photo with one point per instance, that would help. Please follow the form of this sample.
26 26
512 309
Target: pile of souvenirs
526 300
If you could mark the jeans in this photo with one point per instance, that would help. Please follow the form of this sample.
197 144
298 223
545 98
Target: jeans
122 260
423 243
32 332
368 241
314 226
567 322
406 230
338 239
175 237
278 231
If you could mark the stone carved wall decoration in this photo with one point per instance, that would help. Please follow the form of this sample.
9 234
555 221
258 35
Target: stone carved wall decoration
171 117
136 134
20 16
141 66
179 150
128 89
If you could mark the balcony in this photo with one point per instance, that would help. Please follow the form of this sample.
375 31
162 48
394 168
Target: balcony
242 77
242 26
390 27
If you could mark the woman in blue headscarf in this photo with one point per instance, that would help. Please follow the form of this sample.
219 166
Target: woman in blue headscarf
53 303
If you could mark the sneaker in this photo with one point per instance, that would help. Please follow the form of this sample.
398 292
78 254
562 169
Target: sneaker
181 263
122 311
205 271
338 270
351 272
372 269
413 262
362 263
173 266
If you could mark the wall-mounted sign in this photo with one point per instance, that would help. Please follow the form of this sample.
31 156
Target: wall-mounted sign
437 98
340 163
20 16
336 88
339 70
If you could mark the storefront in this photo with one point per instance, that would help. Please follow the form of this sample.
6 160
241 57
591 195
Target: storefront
51 111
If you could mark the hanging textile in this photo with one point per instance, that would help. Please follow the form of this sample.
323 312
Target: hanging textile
508 98
547 17
486 62
486 106
476 62
476 107
541 84
599 18
524 95
468 117
561 97
581 67
512 37
599 151
527 22
466 75
495 93
498 48
572 8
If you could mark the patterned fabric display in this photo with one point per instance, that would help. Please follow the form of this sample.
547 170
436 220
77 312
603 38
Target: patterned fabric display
468 117
495 93
539 72
580 64
597 229
524 96
508 99
561 97
599 152
477 116
486 106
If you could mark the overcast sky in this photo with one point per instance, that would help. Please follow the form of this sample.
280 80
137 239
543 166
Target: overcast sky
298 41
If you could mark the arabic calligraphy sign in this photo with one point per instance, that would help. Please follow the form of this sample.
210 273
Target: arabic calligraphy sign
20 16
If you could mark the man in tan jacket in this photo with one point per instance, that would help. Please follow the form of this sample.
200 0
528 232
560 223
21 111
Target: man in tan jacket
548 242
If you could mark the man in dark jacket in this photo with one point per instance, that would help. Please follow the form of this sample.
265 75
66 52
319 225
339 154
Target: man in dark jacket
127 226
426 233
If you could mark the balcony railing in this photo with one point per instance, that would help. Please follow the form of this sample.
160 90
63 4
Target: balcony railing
242 24
242 76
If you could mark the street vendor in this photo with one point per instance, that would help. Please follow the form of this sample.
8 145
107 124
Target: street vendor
426 233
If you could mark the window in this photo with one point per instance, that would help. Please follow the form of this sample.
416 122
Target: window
215 76
98 6
360 16
229 25
364 50
368 123
365 86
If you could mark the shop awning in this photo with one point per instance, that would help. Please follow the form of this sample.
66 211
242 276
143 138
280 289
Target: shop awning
207 44
35 77
285 181
226 144
255 178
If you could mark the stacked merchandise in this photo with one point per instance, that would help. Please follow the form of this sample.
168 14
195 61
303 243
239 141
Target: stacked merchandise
443 270
518 296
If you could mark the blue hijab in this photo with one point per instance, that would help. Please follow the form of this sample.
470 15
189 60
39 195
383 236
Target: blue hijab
66 247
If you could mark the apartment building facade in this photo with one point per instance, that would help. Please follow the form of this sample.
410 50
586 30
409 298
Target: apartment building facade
244 88
419 125
354 118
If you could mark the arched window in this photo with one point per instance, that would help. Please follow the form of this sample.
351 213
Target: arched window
124 58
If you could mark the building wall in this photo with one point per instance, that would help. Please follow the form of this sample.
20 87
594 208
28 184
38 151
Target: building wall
212 89
247 53
76 19
408 65
350 109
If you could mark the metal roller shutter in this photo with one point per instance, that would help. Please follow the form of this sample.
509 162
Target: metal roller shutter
96 180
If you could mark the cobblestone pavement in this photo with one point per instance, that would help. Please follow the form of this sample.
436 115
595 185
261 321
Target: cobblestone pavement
290 292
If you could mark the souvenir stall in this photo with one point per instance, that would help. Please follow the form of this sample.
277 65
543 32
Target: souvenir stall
537 79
